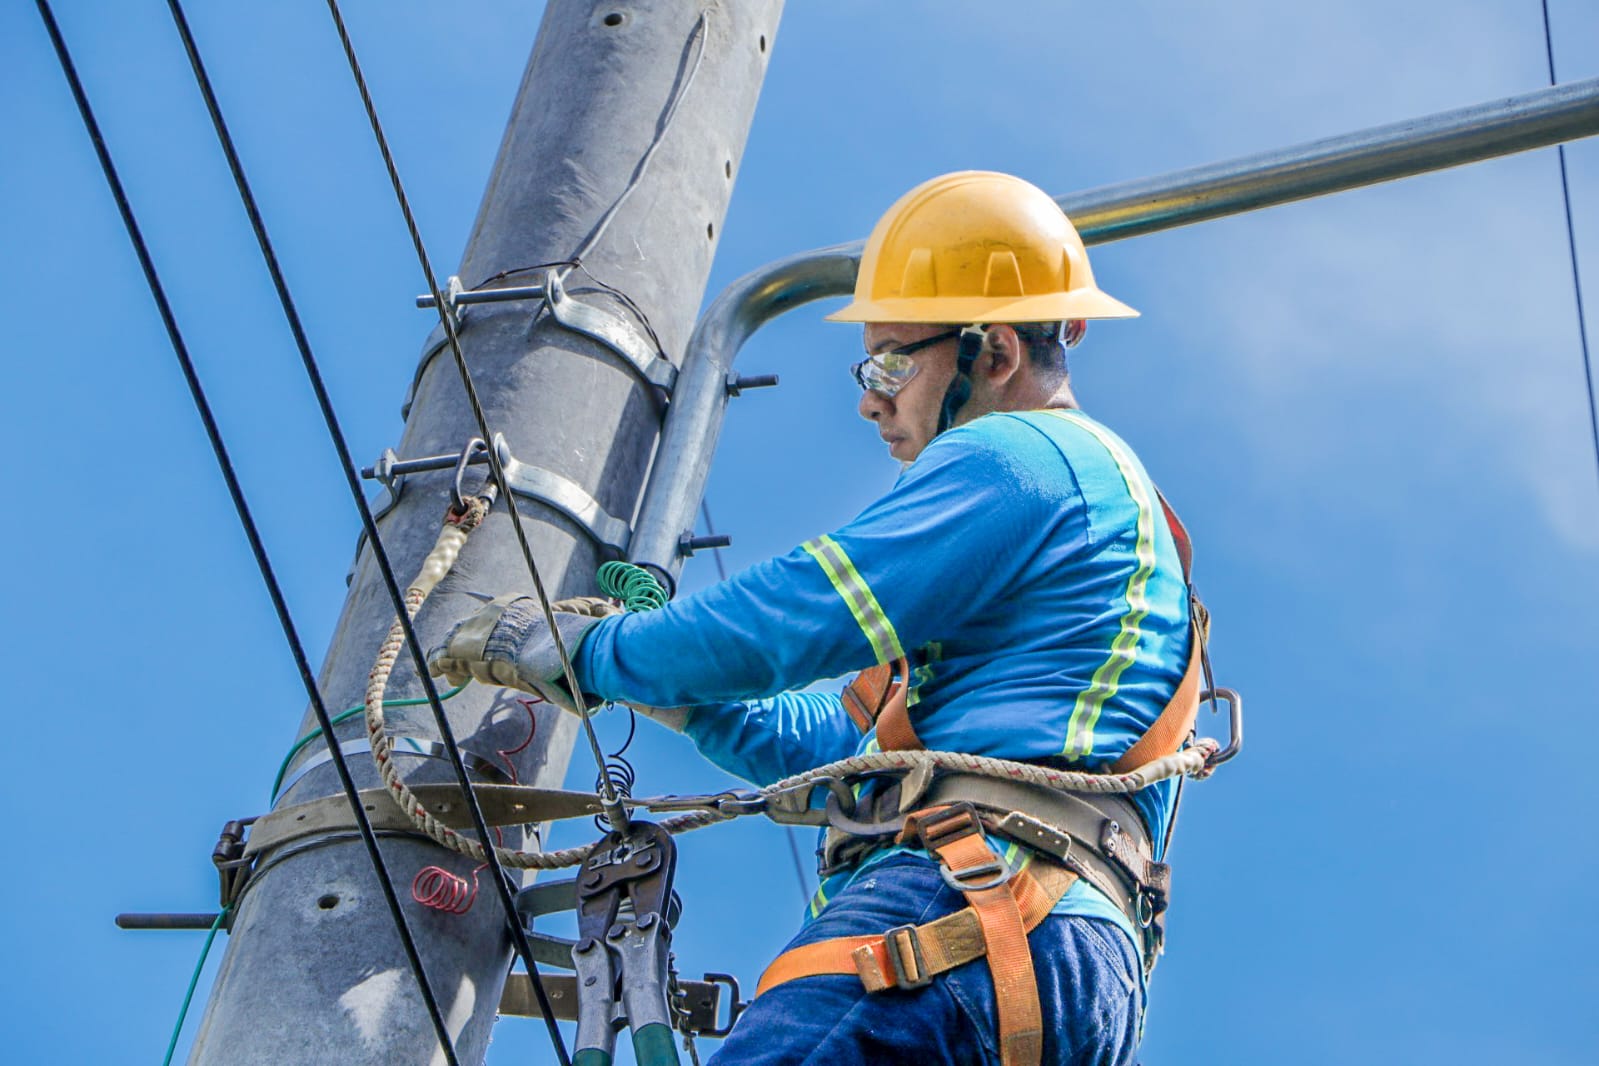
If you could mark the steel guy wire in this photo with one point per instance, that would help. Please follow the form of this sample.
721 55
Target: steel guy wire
352 479
1571 242
609 798
247 520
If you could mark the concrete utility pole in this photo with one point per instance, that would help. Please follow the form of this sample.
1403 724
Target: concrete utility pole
314 971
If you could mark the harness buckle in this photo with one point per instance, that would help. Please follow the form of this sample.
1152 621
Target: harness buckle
940 828
898 943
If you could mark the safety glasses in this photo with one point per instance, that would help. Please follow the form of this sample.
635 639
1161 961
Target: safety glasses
885 373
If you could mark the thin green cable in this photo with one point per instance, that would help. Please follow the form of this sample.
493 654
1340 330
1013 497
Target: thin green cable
345 716
194 979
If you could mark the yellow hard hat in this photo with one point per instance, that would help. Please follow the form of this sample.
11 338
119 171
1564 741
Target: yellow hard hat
976 246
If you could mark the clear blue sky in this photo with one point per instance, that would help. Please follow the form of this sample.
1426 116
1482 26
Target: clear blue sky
1369 409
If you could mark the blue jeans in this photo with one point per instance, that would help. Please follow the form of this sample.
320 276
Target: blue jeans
1088 985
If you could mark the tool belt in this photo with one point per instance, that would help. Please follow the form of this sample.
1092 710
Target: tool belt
1098 837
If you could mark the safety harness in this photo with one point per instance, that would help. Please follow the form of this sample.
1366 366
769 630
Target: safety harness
1098 838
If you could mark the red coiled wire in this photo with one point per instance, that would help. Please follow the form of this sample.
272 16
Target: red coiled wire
445 890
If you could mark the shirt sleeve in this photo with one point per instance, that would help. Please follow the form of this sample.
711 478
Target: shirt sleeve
763 741
955 529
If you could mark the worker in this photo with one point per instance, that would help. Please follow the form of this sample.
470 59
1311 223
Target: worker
1018 593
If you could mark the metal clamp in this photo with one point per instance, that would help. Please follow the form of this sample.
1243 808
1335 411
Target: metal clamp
530 482
618 334
423 746
640 352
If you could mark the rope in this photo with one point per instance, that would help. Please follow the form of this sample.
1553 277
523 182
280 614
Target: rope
1191 761
1571 242
241 506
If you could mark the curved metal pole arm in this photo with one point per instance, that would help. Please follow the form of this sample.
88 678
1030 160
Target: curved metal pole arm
1108 213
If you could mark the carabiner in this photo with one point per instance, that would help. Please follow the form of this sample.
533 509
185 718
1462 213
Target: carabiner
468 456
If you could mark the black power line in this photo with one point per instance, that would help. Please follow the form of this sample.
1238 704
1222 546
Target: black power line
246 519
1571 242
380 555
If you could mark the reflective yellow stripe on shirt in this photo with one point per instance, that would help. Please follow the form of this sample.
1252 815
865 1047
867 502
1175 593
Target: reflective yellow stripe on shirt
857 594
1124 648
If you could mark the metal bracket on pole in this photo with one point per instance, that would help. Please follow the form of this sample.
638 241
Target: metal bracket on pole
403 745
639 352
531 482
617 334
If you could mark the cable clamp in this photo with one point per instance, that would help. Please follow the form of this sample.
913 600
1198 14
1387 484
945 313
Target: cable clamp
525 480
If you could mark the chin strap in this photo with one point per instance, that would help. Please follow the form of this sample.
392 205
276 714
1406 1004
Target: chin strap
960 386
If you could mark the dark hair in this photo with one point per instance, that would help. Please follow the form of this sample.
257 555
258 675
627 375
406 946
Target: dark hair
1042 341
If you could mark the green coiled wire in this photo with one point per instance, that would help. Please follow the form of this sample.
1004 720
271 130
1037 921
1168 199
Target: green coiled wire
635 586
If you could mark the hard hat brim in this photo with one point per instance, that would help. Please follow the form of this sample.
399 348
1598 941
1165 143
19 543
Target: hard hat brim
1049 307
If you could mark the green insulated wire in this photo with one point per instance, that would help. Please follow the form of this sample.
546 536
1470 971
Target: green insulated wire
360 708
635 586
194 979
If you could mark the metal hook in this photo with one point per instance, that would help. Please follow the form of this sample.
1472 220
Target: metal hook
468 455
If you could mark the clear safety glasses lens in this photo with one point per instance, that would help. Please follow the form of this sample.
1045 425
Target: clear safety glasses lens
888 372
885 373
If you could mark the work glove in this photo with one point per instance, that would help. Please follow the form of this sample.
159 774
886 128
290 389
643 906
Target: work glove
509 643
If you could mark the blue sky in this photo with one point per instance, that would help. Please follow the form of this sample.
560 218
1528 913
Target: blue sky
1368 408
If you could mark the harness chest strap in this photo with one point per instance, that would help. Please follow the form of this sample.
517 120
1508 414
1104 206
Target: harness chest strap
877 695
995 924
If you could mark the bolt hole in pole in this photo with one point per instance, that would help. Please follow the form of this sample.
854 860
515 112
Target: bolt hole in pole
727 168
615 18
710 230
763 42
328 902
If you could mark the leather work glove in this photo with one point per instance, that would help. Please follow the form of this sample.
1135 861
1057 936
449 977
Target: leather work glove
509 643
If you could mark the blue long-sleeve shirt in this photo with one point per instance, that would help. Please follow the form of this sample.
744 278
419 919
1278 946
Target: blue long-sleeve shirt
1022 563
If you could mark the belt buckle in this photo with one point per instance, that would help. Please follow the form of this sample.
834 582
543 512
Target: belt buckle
892 941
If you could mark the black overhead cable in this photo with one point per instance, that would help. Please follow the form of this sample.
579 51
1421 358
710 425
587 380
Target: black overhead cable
247 520
610 800
380 555
1571 242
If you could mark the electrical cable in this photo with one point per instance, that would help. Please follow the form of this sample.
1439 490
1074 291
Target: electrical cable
247 520
369 523
1571 242
614 808
338 719
701 32
194 979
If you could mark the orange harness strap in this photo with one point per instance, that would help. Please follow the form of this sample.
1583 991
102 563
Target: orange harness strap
1000 914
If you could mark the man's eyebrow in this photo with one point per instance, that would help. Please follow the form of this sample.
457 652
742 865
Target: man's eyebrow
887 344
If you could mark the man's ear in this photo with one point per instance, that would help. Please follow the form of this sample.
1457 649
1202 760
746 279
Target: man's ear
1005 353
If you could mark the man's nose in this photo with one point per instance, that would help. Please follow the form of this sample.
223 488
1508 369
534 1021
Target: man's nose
874 405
